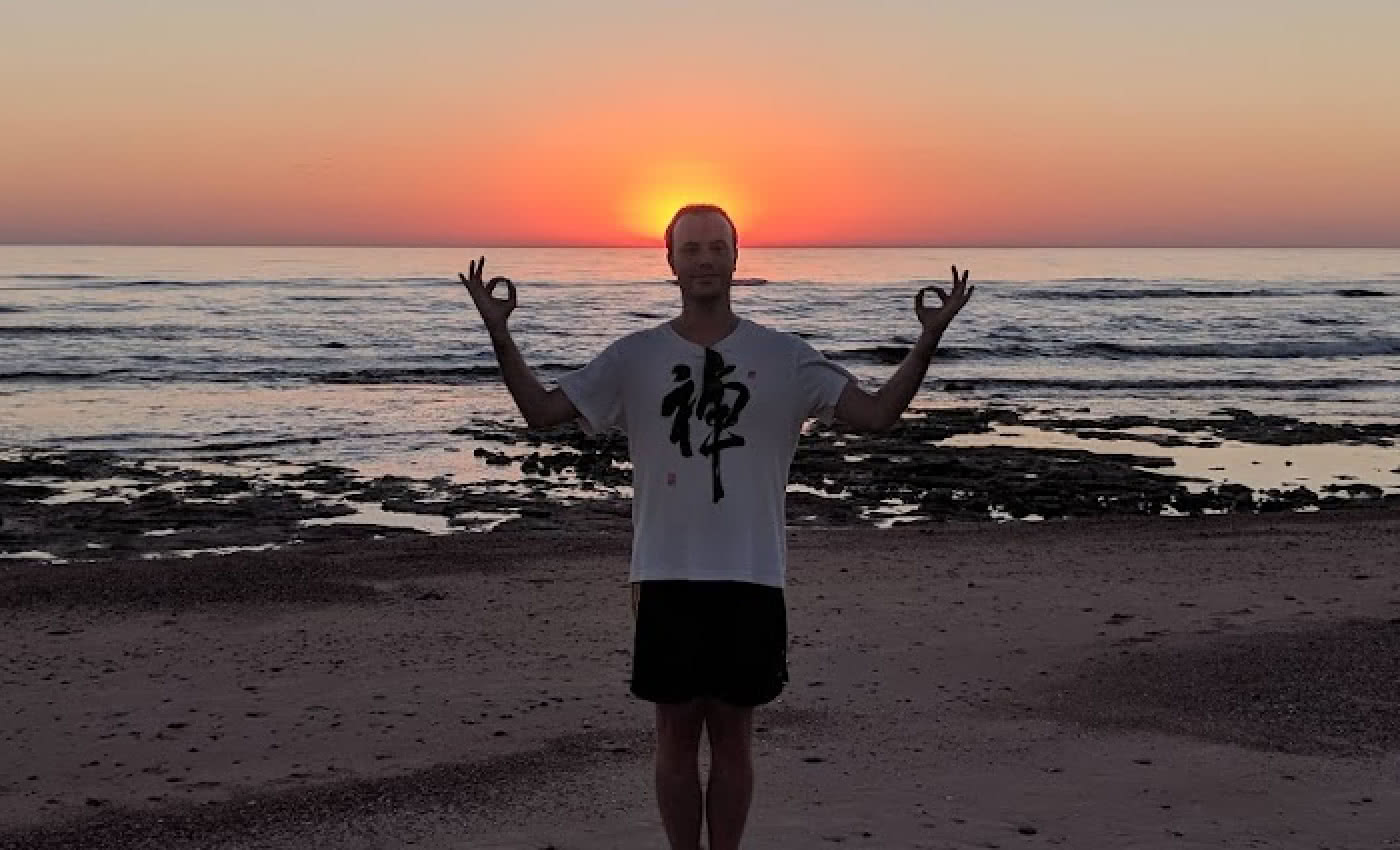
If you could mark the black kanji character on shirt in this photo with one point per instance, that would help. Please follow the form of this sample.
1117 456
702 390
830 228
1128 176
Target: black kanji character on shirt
714 408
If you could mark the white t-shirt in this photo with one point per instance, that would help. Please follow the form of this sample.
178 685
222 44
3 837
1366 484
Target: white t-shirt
711 433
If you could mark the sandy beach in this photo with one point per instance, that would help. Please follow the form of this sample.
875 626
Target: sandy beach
1116 682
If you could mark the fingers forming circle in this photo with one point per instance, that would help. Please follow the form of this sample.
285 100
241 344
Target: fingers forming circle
919 298
510 288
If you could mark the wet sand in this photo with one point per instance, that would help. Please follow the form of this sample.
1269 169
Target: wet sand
1223 681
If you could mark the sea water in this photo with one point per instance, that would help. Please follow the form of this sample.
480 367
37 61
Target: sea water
373 357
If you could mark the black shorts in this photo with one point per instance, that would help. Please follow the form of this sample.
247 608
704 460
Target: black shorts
725 640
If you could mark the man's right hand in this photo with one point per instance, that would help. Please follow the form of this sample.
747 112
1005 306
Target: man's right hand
494 311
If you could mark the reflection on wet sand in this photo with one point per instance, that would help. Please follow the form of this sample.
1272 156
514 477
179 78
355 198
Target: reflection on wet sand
967 464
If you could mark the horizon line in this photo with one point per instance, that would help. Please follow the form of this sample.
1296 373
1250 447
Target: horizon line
773 245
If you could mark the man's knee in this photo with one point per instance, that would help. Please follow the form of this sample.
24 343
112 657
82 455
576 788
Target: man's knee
730 729
679 726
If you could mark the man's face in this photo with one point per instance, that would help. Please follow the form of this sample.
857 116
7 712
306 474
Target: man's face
703 255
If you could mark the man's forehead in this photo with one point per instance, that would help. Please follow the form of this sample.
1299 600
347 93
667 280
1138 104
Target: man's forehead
702 226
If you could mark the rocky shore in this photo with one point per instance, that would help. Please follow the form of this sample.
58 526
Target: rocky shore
91 505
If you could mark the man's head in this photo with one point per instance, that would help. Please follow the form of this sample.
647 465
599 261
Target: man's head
702 247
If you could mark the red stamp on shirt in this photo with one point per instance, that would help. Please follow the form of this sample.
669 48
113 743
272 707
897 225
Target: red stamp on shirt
670 479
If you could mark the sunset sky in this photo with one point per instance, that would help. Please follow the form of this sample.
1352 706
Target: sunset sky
536 122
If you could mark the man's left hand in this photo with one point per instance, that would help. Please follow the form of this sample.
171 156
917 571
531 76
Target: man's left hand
936 319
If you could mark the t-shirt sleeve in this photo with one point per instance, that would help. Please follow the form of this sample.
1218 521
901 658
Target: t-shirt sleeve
596 390
820 383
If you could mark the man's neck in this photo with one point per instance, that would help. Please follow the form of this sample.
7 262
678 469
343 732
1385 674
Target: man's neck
705 324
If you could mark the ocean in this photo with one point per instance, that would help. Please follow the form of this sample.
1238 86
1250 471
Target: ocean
372 356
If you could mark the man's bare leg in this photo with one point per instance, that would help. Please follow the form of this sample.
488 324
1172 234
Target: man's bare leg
730 788
678 794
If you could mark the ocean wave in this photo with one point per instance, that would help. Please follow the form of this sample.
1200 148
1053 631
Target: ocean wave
121 284
407 375
116 436
97 282
163 333
56 276
1167 383
5 309
390 375
1270 350
1151 292
55 330
368 375
873 354
59 377
1234 350
1363 293
892 354
258 444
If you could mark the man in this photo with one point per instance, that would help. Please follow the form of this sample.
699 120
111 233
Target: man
712 406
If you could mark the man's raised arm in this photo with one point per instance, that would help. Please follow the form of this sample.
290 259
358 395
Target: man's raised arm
540 407
880 411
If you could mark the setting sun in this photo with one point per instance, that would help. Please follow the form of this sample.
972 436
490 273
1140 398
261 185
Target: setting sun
647 207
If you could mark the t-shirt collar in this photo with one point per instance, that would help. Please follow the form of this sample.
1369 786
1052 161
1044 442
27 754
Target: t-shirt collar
739 327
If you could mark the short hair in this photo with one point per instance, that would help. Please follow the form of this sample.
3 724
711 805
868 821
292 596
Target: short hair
698 208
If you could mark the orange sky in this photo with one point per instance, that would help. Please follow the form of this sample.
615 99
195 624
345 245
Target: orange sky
994 123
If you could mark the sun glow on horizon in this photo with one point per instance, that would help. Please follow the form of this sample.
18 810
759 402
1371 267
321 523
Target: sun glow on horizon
647 205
